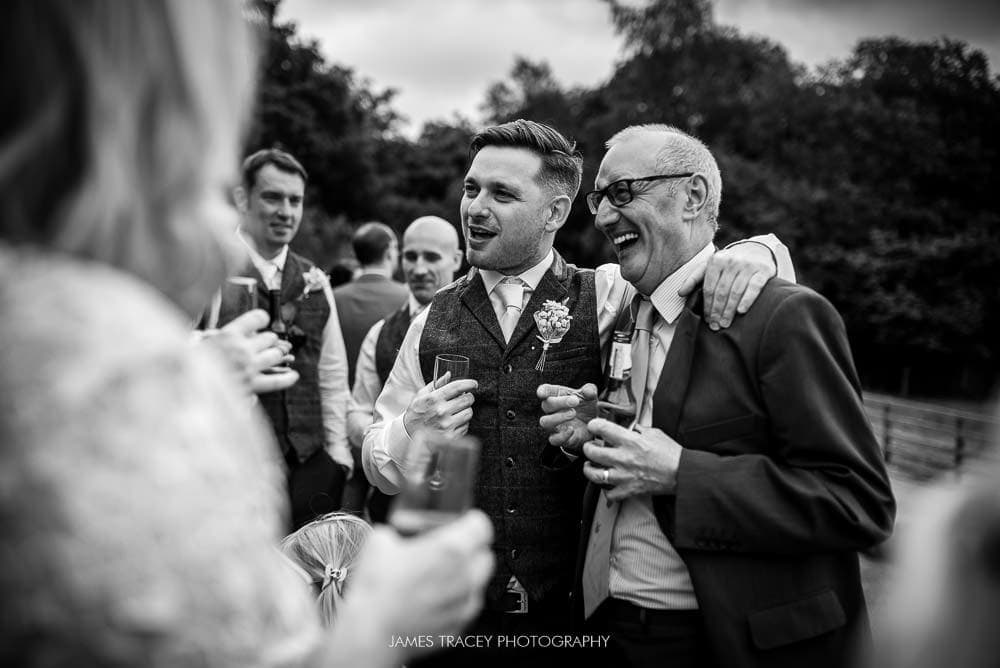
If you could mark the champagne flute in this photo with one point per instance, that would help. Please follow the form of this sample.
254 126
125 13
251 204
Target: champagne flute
438 485
458 365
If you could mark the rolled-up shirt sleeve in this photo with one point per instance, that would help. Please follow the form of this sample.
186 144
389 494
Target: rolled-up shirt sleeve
383 453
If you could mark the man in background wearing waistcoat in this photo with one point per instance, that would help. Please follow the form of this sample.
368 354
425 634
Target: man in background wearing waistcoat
517 194
309 417
723 529
371 296
431 257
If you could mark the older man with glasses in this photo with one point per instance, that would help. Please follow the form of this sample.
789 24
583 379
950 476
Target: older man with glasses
722 527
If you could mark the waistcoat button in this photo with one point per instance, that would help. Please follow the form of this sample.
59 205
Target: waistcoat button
508 368
509 462
514 553
511 414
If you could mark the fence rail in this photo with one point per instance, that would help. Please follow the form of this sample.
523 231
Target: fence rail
923 440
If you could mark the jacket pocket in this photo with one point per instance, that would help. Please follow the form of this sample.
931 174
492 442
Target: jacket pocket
800 620
555 353
717 432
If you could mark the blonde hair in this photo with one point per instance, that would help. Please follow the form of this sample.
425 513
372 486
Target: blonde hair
114 115
327 549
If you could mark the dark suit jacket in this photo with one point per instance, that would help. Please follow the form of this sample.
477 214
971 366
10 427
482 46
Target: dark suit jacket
360 304
780 483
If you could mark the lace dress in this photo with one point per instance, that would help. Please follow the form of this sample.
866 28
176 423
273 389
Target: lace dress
140 502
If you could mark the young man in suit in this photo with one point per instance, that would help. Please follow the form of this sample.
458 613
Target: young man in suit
723 528
308 417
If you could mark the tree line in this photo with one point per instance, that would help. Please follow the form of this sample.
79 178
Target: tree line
875 169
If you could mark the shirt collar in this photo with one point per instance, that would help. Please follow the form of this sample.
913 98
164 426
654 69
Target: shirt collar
531 277
258 260
415 306
665 299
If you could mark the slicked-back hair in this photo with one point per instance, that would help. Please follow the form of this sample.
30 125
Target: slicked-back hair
371 241
270 156
680 152
562 164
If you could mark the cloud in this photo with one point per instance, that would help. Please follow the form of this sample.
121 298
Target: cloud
815 31
442 55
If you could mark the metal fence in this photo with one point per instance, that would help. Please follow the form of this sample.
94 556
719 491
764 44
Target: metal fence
923 440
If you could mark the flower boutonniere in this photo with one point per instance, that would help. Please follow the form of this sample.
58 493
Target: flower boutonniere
316 279
553 321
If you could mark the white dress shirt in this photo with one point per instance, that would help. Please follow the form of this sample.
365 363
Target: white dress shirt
367 384
386 440
332 366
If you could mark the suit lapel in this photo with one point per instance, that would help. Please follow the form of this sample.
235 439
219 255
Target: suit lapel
478 302
676 374
292 282
551 287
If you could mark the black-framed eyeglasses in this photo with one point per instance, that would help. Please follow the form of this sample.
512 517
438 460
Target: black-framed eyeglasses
619 193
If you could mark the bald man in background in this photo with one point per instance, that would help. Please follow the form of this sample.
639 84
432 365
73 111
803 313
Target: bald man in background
431 256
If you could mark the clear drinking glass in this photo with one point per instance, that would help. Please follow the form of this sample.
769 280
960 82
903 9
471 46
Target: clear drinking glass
458 365
439 481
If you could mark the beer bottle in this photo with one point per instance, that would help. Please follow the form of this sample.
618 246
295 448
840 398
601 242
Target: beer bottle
617 401
277 324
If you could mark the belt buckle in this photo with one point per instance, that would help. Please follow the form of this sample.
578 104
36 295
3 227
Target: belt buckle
522 602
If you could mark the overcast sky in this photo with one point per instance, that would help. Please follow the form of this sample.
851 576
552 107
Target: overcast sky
442 55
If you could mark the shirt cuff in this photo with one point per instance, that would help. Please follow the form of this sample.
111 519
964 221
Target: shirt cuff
774 258
397 442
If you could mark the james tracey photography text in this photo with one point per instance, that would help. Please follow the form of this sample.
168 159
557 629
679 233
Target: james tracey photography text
484 641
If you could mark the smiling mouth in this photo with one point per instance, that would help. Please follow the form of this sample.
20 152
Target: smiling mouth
624 240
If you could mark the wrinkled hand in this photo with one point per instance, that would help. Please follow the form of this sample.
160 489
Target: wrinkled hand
431 584
250 351
567 412
638 462
733 279
442 405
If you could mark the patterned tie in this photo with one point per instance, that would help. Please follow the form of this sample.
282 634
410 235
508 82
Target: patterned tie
511 293
597 563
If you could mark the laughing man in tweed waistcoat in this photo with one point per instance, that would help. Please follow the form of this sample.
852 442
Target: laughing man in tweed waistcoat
517 194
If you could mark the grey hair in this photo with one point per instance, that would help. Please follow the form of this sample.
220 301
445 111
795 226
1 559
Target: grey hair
680 152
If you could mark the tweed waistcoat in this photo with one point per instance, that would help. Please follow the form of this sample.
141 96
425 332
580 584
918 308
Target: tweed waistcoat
535 509
295 413
389 340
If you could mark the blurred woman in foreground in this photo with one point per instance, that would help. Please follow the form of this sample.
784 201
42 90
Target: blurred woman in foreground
140 504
